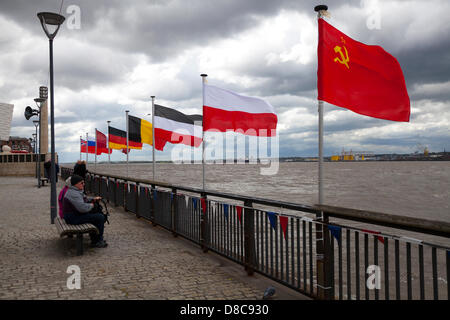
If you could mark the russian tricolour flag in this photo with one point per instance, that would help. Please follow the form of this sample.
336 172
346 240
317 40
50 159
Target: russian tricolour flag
224 110
90 146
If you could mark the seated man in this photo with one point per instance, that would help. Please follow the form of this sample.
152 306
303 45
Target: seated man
77 210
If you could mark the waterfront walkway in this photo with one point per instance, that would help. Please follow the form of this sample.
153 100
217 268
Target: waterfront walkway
141 261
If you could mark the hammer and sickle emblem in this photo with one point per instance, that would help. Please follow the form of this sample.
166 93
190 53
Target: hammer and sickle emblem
344 58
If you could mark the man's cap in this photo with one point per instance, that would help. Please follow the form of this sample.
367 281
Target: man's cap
76 179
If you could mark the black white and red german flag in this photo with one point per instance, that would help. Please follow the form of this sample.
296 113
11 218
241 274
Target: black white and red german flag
176 127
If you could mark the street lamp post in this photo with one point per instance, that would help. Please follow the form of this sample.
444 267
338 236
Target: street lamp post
39 102
35 150
33 139
51 19
38 165
29 112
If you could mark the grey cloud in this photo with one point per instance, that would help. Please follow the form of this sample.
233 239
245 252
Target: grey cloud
159 29
114 35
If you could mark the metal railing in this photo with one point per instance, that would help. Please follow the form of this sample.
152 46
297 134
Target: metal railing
323 252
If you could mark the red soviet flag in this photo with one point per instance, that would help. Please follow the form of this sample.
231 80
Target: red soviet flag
101 143
362 78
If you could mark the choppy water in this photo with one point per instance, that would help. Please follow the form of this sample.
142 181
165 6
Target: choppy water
408 188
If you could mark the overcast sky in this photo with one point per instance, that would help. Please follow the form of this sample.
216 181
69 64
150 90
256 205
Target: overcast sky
111 56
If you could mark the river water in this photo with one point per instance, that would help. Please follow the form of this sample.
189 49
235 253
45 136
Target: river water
416 189
409 188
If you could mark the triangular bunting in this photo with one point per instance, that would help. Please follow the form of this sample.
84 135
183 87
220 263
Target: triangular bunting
239 212
225 211
203 202
336 232
273 219
283 224
155 193
194 201
186 198
381 239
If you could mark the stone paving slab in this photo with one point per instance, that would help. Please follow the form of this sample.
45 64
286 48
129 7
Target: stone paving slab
141 262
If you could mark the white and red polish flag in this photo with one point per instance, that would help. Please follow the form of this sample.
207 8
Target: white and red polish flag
224 110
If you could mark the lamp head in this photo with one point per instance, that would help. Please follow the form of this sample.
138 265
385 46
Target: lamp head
43 92
52 19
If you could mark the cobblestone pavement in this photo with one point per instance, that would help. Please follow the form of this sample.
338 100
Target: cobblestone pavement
141 261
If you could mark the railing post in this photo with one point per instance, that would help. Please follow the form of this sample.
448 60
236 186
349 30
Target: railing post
173 208
99 185
328 263
203 223
137 199
249 238
125 195
323 257
152 211
116 186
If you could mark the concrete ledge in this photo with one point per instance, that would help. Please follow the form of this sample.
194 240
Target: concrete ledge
19 169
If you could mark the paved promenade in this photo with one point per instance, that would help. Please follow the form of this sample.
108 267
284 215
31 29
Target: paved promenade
141 261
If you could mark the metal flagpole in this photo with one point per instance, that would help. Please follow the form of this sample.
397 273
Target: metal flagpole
320 11
320 152
153 134
87 148
126 113
109 150
95 166
203 132
80 148
322 236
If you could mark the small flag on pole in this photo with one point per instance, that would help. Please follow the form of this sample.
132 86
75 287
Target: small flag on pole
90 146
118 140
224 110
139 130
359 77
101 143
176 127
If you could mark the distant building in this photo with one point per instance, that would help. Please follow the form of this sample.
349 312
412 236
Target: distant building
6 112
17 144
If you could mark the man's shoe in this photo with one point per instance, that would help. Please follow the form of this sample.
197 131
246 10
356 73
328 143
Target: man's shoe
100 244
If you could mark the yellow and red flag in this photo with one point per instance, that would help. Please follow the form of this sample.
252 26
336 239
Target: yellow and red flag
363 78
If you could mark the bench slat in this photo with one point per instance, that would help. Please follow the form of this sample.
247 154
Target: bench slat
65 229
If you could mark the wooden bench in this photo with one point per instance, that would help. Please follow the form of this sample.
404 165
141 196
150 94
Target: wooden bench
65 229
